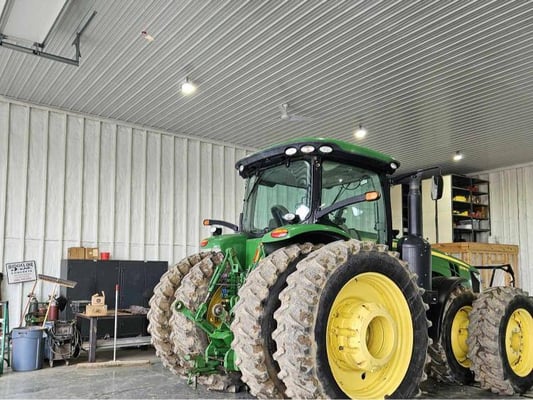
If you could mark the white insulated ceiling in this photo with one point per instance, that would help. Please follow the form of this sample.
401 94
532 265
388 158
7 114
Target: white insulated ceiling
426 78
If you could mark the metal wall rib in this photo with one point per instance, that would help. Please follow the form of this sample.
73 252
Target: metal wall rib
511 214
73 180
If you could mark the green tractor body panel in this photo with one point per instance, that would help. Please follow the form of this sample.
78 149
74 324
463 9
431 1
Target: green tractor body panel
237 241
444 265
289 232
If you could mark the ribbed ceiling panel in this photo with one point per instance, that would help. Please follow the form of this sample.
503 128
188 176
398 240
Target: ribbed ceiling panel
426 78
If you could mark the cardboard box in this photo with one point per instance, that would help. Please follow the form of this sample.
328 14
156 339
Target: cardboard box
91 253
76 253
98 299
96 310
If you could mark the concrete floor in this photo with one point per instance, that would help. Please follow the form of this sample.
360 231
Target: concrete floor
150 381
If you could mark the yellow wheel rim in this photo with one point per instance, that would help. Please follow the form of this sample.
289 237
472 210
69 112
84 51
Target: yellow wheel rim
369 336
459 334
216 300
519 342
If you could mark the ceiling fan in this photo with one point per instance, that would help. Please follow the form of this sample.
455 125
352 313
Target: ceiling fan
287 115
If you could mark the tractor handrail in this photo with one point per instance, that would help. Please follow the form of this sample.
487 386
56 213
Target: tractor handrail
504 267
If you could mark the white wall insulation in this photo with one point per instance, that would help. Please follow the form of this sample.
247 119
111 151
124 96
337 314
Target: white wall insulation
74 180
511 214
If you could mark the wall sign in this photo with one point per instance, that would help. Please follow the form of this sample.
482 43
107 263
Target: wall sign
23 271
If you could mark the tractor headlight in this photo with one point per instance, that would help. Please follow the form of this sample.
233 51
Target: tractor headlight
291 151
307 149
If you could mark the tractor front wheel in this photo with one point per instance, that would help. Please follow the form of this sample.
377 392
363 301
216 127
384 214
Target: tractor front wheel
352 323
501 340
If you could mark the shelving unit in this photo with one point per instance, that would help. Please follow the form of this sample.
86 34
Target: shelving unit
470 208
462 215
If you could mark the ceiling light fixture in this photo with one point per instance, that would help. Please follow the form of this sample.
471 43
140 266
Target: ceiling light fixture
458 156
188 87
360 133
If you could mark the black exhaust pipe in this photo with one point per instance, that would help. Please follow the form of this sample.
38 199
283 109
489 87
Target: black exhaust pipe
413 247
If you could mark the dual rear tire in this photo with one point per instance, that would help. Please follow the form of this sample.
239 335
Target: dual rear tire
488 338
449 354
352 323
500 341
161 312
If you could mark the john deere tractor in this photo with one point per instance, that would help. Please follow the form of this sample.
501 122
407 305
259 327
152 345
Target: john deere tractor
311 296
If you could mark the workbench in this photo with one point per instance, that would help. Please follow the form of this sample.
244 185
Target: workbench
93 343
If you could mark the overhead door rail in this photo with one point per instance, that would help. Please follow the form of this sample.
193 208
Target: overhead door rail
31 21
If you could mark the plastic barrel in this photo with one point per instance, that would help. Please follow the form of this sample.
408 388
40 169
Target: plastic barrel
27 350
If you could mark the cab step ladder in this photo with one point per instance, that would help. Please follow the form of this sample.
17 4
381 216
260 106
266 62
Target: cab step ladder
4 336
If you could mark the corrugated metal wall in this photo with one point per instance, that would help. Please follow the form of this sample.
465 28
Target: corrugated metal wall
70 180
73 180
511 209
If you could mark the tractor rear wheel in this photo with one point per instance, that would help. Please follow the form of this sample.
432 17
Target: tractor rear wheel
188 339
160 311
352 323
449 355
254 320
501 340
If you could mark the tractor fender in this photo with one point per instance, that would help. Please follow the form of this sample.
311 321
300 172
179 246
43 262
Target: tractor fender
312 233
443 286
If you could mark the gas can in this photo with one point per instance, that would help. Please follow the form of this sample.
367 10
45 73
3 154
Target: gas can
53 311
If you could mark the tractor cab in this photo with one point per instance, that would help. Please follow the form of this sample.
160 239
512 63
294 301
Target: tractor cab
324 185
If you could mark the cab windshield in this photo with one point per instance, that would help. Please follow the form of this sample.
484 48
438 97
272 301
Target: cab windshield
283 189
274 192
365 220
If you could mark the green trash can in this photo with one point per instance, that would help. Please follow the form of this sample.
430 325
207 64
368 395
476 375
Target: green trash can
27 348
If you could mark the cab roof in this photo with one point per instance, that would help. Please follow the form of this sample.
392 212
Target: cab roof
331 149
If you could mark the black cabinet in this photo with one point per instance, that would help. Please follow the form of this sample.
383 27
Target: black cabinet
136 280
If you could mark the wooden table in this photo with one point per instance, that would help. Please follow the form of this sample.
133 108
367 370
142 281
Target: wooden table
93 329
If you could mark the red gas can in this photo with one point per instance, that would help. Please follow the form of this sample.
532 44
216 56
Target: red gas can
53 311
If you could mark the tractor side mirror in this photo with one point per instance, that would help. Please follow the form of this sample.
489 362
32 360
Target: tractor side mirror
437 186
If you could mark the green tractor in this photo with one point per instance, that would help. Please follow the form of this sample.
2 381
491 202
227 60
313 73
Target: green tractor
311 296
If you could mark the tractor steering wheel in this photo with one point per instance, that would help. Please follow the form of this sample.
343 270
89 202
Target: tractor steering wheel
278 211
